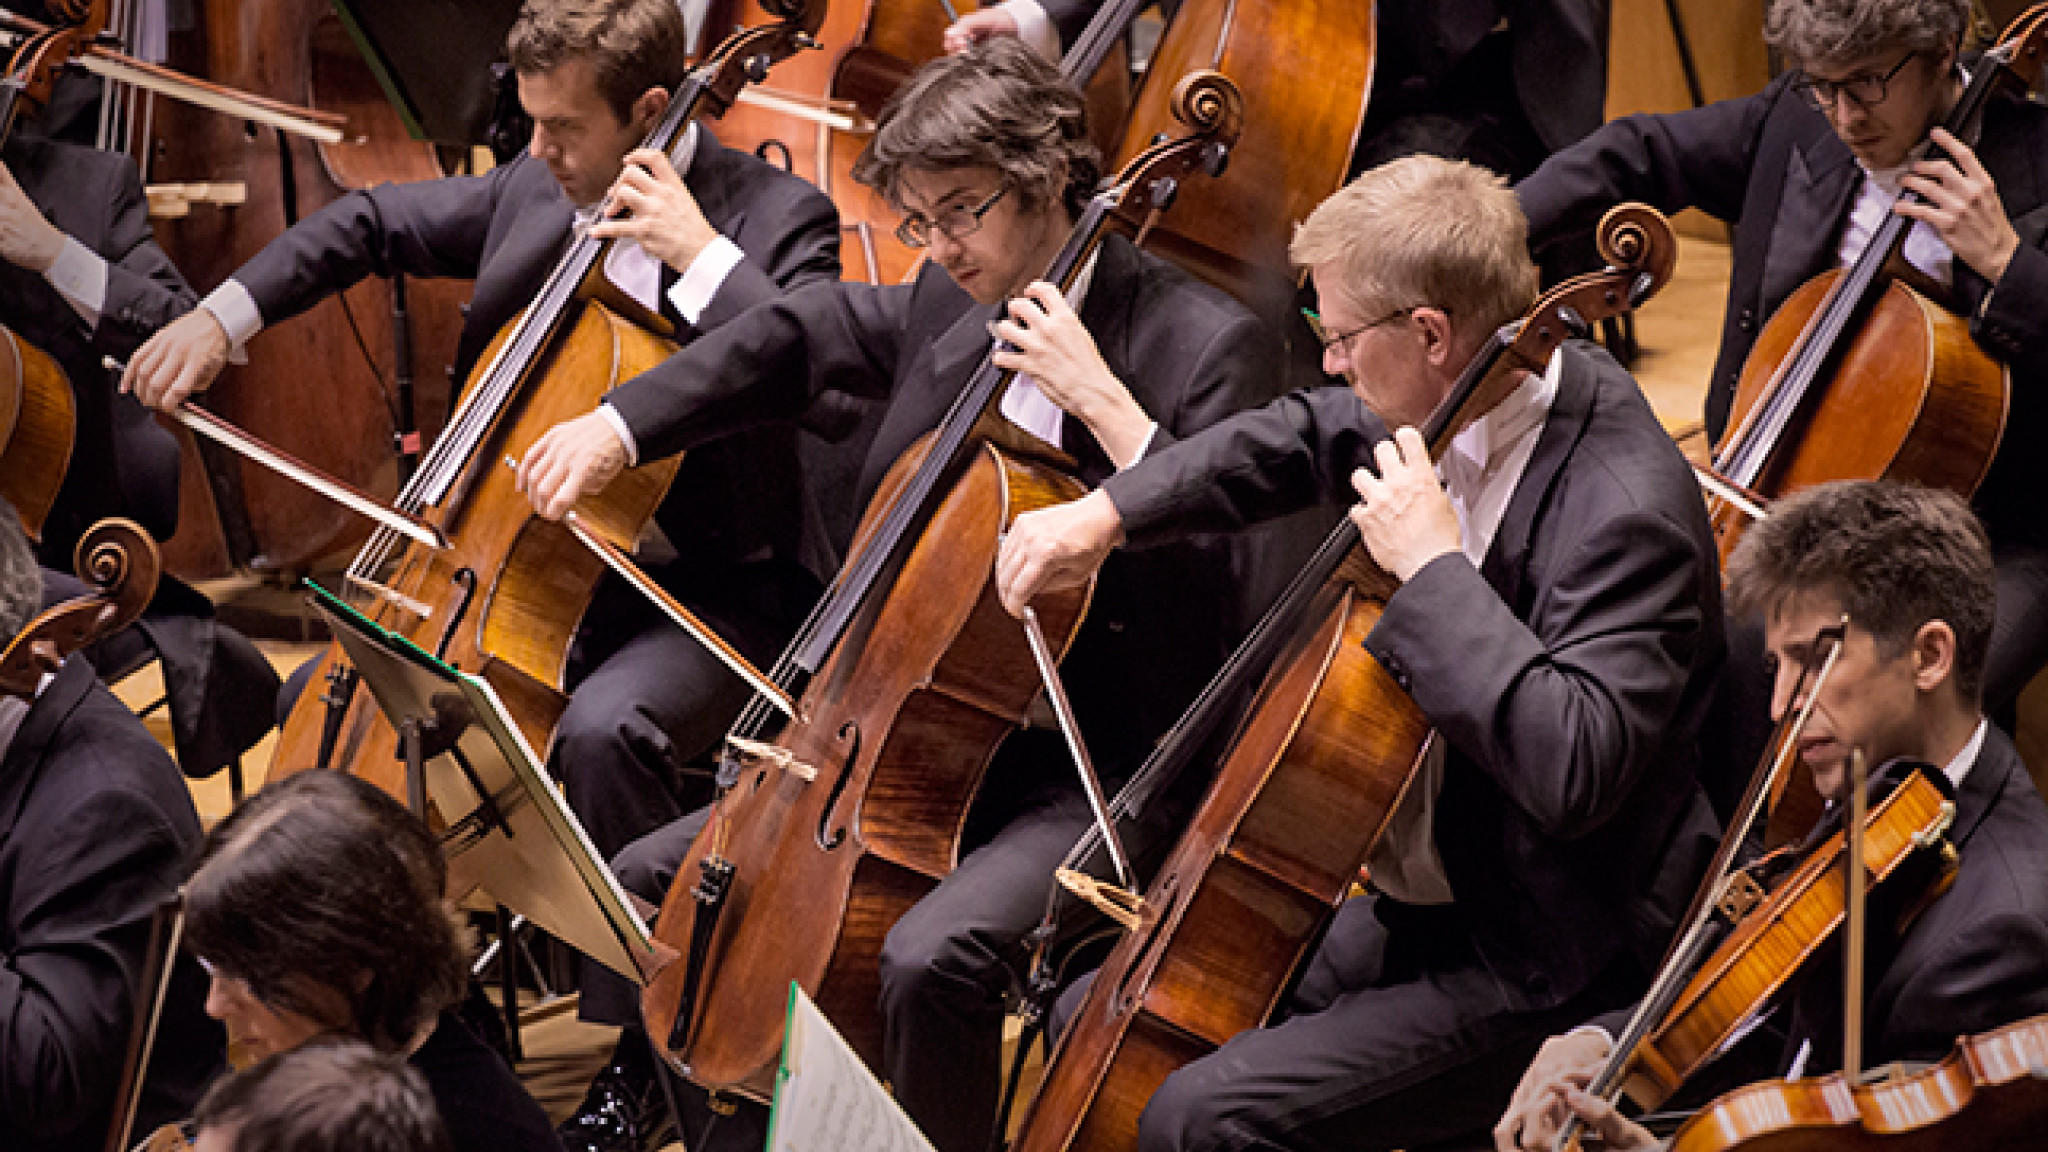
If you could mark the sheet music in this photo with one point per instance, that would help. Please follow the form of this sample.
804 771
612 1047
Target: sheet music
826 1100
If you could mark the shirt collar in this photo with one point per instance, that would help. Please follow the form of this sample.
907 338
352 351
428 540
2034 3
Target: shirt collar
1959 766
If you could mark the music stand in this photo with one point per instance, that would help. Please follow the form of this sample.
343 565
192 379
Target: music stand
502 824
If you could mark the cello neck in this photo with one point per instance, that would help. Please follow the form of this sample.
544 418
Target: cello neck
1091 47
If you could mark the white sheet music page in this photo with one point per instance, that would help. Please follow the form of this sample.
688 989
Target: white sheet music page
826 1100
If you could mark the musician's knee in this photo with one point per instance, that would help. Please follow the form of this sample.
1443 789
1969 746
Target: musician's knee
1179 1113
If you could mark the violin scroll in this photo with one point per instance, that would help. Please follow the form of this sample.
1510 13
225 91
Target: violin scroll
746 55
118 557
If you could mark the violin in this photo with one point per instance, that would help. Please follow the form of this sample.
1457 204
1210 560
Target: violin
1858 376
1303 792
1990 1092
496 589
831 824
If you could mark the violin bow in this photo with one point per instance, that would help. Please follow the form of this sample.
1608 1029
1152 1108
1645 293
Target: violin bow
1122 908
1716 889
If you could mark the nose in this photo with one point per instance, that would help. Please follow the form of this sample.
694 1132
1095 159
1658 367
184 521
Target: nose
1784 699
1335 361
541 146
219 1001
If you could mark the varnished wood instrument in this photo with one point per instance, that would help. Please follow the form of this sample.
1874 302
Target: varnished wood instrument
1858 376
503 599
120 562
1990 1092
828 827
1302 793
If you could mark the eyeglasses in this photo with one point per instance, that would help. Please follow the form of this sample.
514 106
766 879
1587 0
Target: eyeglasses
1328 339
1867 90
957 222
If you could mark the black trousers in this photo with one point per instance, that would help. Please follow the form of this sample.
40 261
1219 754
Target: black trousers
1389 1043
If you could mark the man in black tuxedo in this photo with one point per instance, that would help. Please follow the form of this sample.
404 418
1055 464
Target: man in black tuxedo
1912 571
83 279
1499 82
987 154
1806 170
1558 621
95 829
706 238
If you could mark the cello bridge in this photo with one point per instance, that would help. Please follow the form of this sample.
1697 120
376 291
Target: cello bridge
393 597
773 754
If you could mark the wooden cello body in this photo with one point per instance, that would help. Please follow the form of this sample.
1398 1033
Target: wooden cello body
1858 376
38 420
324 385
907 677
1316 770
505 596
1991 1092
1310 65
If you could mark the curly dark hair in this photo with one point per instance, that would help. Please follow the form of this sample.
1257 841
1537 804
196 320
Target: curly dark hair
326 1096
997 105
633 45
1896 556
1833 31
320 886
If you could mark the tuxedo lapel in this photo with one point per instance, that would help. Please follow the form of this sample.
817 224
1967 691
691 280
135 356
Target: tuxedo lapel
1821 179
1507 560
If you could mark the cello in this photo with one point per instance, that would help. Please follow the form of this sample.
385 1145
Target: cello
906 676
1858 376
1304 790
233 516
504 596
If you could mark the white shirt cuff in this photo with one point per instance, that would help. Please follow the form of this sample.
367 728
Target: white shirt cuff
239 317
1151 434
80 276
618 423
1034 27
701 280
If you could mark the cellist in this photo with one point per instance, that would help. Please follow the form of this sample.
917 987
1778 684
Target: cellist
1913 572
1558 621
706 238
1806 170
987 155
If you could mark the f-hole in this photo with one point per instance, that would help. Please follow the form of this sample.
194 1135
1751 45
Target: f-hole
465 579
838 836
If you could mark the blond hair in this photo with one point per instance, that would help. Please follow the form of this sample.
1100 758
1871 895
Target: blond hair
1423 231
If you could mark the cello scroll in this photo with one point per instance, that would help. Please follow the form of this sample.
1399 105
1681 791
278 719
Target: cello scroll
121 562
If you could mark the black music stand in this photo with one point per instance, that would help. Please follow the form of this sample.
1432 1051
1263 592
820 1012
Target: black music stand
433 59
479 785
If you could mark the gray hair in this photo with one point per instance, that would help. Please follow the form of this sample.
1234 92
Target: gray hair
21 578
1813 32
997 105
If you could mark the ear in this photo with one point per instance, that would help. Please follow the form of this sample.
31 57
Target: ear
1934 655
1439 341
647 109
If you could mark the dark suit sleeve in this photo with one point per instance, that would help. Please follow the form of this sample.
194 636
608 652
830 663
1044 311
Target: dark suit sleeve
1987 976
769 364
1230 372
80 907
1694 159
2013 323
427 228
1070 17
145 291
799 246
1251 467
1565 712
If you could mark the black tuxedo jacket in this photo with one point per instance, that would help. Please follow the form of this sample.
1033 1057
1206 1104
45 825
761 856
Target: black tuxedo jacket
1772 166
505 230
1568 674
96 828
1976 959
1189 354
123 463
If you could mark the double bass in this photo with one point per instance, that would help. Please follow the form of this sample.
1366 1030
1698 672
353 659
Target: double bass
1857 375
504 596
1304 790
830 825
